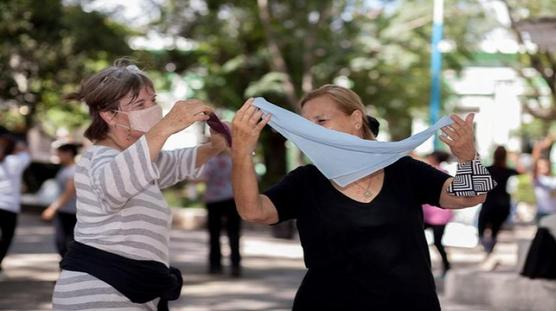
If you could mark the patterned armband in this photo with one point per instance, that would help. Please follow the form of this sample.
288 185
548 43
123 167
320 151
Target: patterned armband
471 179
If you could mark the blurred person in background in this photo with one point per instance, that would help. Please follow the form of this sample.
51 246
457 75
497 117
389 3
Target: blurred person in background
63 208
497 206
120 257
221 208
14 158
437 218
544 182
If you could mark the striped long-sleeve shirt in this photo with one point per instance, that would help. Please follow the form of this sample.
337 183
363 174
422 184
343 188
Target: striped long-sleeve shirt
120 209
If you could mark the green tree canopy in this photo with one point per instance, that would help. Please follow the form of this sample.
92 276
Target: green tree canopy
540 101
47 48
282 49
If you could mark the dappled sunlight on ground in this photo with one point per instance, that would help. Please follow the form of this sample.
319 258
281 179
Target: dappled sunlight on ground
272 269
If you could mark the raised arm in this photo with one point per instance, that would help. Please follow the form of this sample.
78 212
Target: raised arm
186 163
215 146
246 128
460 138
538 149
182 115
137 163
180 164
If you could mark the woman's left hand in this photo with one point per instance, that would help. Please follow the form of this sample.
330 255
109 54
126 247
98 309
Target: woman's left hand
48 214
214 146
460 137
217 141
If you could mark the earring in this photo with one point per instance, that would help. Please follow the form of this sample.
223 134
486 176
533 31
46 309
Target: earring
357 126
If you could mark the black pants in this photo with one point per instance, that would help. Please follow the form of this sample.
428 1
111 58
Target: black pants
491 216
217 213
438 233
64 225
8 222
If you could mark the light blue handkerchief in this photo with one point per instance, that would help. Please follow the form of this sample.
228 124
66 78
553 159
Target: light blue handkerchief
341 157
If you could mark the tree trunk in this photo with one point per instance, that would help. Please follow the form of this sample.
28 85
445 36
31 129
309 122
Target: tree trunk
539 61
30 117
277 62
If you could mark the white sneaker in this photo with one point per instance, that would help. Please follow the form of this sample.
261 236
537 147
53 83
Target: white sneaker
490 264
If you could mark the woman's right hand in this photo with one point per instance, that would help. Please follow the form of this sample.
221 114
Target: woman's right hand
48 213
546 142
184 113
246 128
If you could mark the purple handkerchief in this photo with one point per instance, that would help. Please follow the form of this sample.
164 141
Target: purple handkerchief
217 125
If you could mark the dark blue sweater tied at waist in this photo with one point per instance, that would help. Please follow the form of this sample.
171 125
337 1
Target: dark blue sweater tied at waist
140 281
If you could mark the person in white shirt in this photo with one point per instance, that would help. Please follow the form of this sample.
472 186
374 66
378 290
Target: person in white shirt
544 181
14 158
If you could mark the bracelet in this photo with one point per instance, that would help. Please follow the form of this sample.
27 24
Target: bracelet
472 179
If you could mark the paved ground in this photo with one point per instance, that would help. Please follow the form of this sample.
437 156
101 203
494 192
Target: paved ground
273 270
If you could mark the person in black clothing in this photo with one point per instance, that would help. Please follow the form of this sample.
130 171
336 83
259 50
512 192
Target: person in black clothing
363 244
222 213
496 208
63 209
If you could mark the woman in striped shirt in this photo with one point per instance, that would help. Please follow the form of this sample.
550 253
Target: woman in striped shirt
121 213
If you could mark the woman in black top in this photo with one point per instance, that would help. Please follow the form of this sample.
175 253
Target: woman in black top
496 208
363 244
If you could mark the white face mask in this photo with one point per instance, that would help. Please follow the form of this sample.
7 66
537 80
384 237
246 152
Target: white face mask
143 120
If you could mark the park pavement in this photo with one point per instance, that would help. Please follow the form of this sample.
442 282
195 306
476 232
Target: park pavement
273 269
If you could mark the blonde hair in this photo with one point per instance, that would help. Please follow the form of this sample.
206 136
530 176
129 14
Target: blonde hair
347 101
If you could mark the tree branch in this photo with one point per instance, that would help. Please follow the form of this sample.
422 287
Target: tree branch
309 48
546 114
543 114
277 62
552 76
535 61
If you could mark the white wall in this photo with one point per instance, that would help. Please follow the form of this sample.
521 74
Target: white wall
493 94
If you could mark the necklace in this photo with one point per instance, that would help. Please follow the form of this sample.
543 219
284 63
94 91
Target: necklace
367 190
